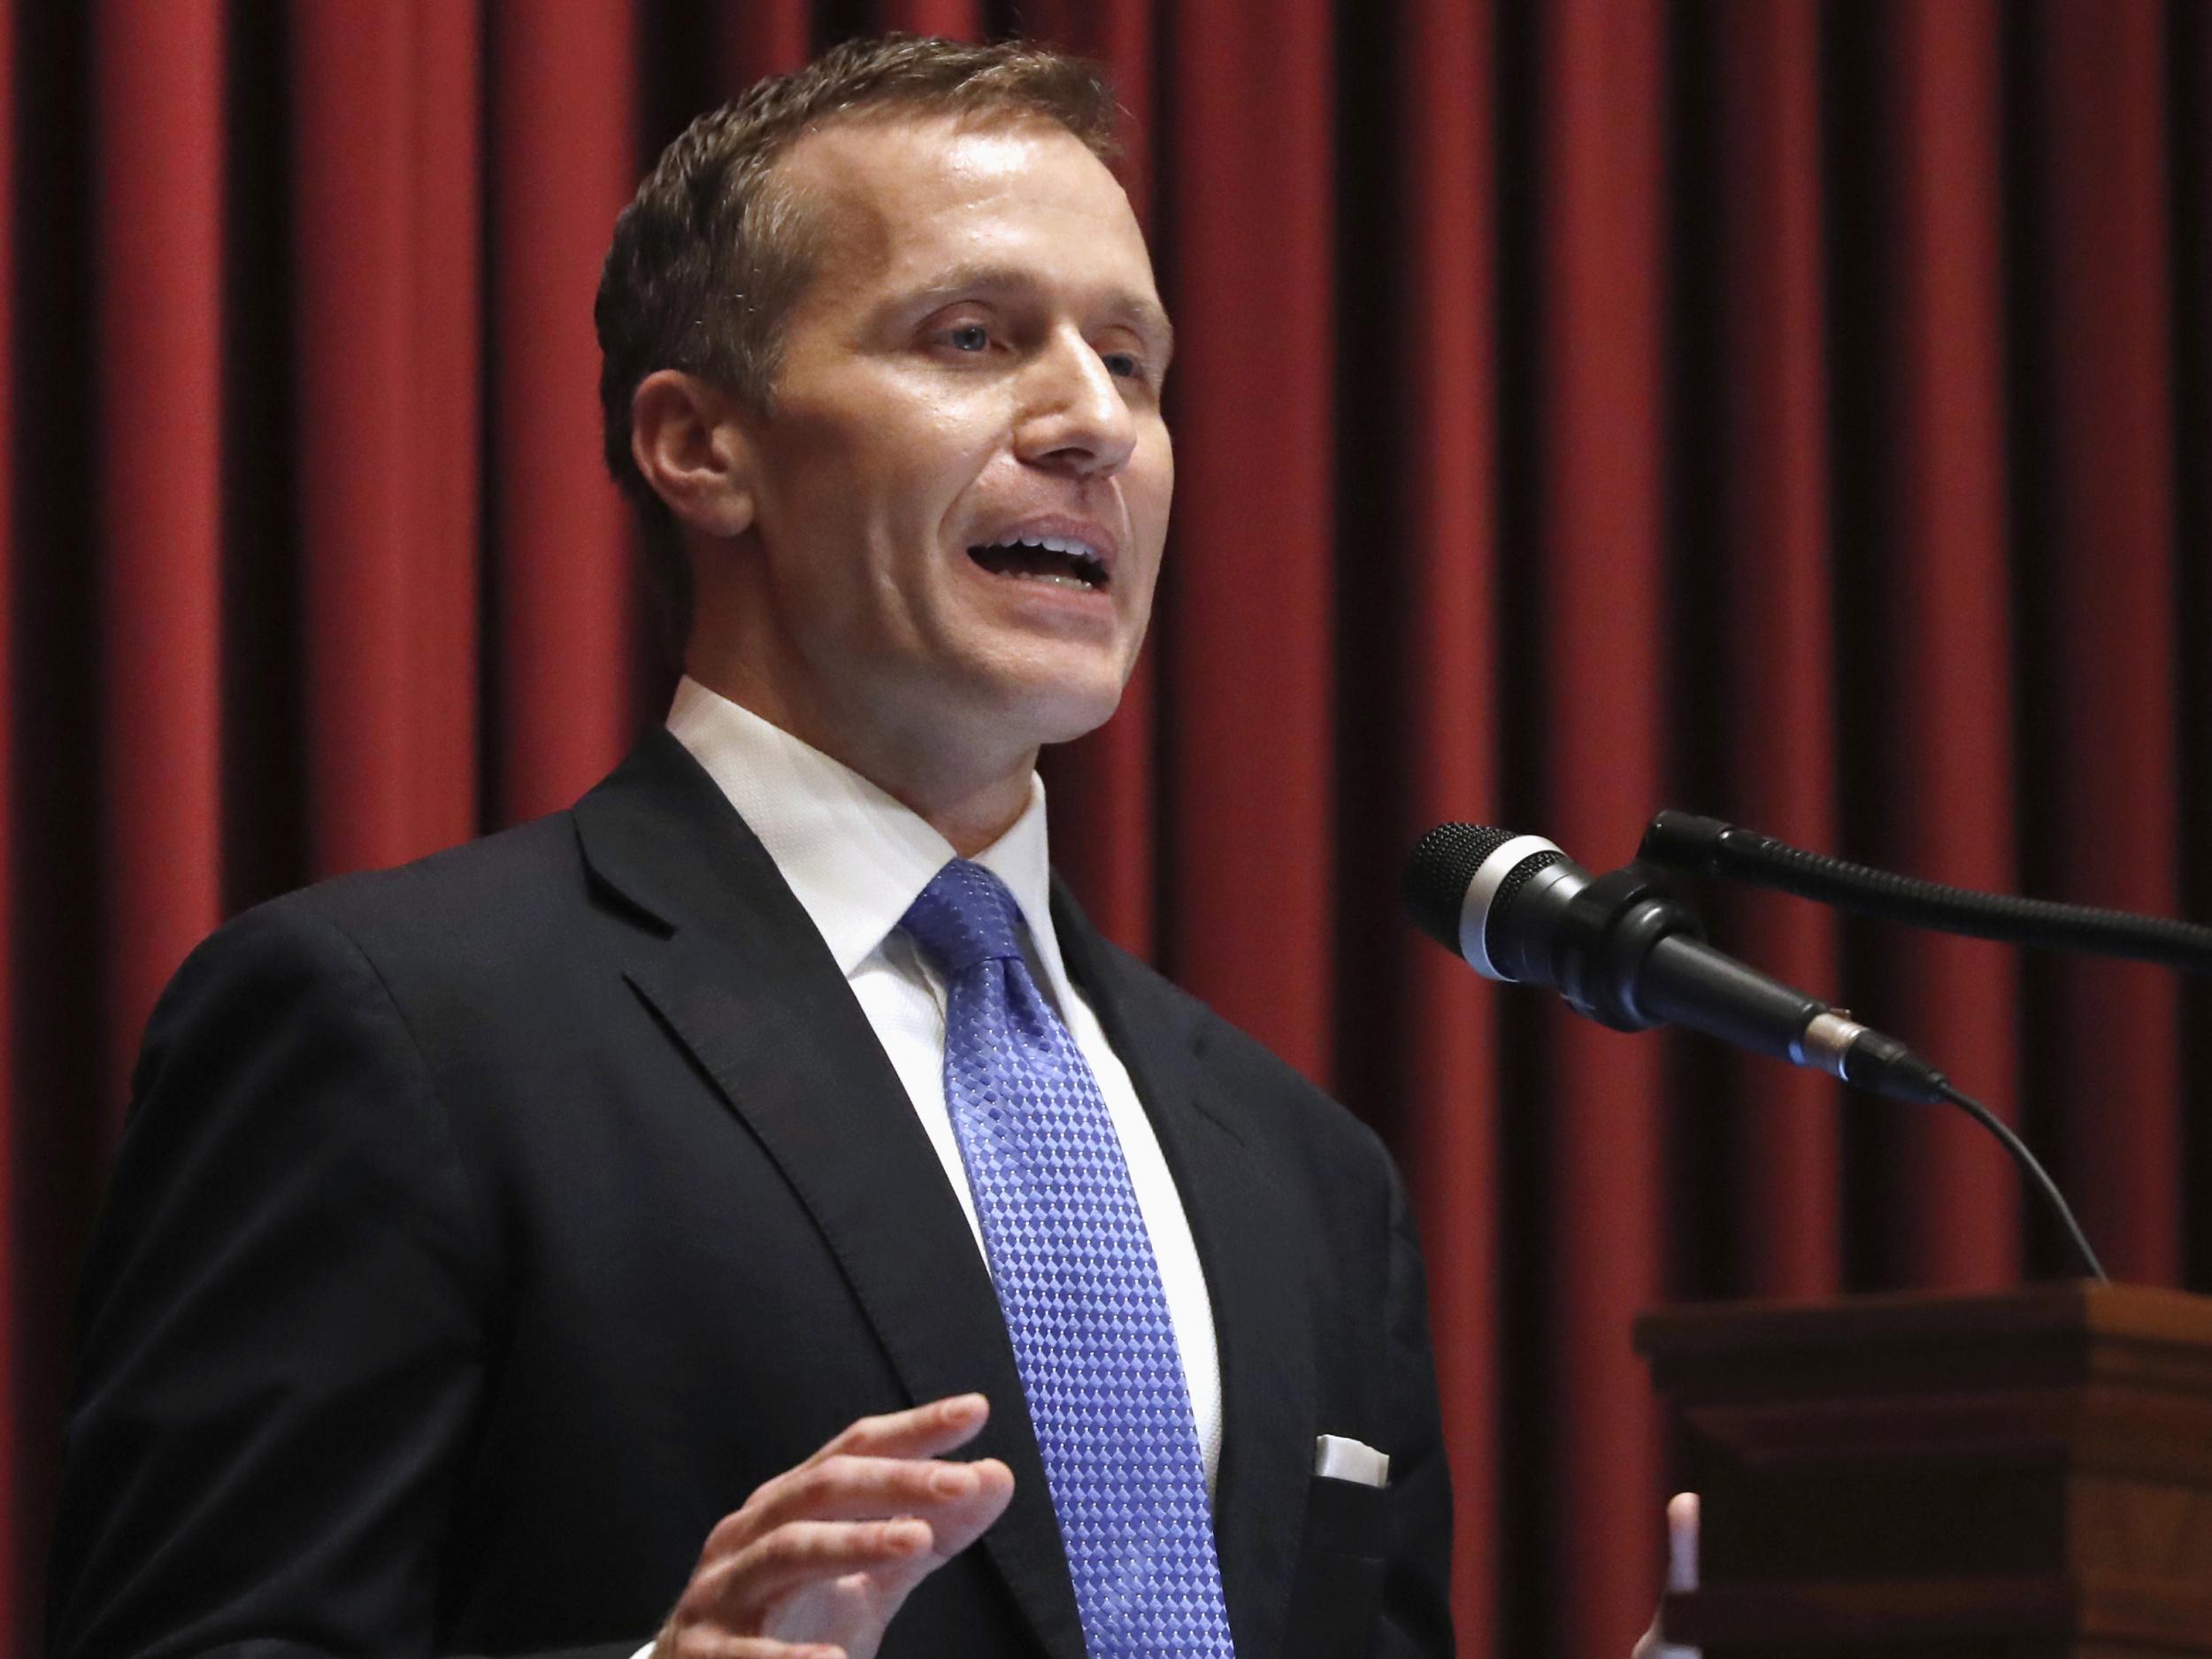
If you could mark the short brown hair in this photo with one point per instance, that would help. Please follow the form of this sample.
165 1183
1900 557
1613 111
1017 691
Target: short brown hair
710 257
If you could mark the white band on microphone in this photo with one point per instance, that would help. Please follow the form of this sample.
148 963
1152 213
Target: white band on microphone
1474 910
1824 1045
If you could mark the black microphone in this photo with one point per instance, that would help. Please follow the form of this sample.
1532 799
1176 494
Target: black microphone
1627 952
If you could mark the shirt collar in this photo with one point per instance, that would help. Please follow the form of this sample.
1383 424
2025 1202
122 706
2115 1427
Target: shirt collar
855 859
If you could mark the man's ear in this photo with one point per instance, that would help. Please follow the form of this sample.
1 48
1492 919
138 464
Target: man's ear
689 442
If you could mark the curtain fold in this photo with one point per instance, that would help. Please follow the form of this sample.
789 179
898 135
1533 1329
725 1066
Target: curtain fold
1935 790
1765 595
1795 412
2102 600
156 498
1592 600
1438 1074
564 642
353 121
1246 595
769 38
445 429
19 1428
2190 102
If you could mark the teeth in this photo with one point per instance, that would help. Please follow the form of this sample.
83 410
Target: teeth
1051 544
1088 574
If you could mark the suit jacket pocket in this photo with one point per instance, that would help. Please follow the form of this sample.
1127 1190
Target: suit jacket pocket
1338 1594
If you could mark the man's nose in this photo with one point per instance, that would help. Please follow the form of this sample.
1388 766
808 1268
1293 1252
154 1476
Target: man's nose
1074 415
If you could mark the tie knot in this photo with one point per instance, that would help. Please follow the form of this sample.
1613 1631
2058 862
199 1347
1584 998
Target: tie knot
965 916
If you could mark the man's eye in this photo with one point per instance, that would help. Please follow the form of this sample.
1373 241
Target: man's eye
1124 365
969 337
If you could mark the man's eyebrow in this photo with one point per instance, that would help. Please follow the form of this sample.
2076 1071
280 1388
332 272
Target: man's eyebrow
1141 312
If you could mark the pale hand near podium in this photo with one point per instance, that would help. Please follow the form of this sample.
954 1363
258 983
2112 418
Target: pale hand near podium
1681 1574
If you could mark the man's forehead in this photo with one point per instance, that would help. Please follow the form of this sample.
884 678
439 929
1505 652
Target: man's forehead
854 147
901 186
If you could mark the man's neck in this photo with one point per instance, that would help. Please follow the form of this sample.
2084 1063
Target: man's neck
970 801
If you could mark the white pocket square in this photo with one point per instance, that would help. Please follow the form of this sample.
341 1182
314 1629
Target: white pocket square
1339 1458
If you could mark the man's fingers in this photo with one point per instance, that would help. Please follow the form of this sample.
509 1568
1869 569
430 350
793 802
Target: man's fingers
832 1549
806 1550
743 1587
1681 1575
958 1501
702 1646
1682 1541
923 1431
961 1520
709 1641
874 1500
852 1488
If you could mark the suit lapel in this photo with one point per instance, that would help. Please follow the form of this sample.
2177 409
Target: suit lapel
1249 1235
742 980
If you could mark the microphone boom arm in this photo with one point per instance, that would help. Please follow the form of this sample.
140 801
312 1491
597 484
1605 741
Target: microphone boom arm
1706 847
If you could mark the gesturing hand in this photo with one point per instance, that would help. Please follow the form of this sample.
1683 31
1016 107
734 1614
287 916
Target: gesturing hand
1681 1574
819 1559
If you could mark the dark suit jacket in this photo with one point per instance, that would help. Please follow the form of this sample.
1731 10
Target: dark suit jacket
487 1228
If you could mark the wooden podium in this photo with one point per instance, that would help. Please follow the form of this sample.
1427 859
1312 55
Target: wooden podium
2019 1476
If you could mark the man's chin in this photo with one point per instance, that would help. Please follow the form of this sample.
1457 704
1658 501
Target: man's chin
1063 720
1036 710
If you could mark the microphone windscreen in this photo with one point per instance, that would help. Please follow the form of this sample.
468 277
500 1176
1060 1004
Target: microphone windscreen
1439 872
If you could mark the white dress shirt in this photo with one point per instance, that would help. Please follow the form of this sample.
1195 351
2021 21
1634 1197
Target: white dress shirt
856 859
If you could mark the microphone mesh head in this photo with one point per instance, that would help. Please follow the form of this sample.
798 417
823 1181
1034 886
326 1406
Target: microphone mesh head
1438 873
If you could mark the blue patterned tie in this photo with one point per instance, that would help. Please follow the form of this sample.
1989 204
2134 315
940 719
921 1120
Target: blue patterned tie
1078 1286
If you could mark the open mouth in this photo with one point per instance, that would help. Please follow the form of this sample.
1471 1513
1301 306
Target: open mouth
1058 561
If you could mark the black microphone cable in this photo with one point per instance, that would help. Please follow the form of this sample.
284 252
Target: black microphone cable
2037 1173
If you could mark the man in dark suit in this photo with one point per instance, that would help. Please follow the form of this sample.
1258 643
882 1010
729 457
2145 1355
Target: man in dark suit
487 1230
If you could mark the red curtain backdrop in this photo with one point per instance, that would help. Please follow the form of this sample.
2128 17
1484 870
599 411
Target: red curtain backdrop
1799 413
